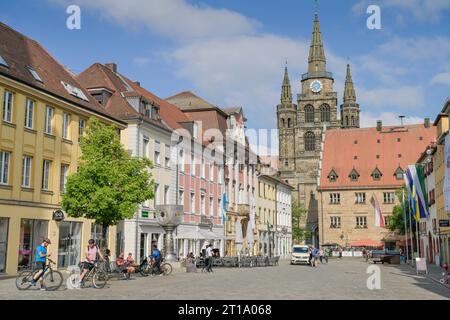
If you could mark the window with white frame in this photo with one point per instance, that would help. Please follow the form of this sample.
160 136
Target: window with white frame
157 153
167 156
219 207
8 106
202 204
389 197
192 202
361 222
26 171
29 114
193 164
335 198
166 195
49 111
145 143
335 222
66 126
181 197
4 167
63 178
81 127
181 160
46 168
203 168
211 206
360 197
156 200
220 171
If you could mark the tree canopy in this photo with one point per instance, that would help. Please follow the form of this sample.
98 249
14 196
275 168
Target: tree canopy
109 183
299 233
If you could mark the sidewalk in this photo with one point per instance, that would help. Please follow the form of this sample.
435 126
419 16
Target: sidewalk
434 273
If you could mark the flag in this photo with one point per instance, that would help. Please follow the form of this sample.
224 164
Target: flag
418 180
224 208
379 221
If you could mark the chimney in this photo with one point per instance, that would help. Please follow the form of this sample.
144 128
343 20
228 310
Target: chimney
112 67
379 125
427 122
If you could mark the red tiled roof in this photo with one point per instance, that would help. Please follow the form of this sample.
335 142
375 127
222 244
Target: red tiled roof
21 52
99 75
366 149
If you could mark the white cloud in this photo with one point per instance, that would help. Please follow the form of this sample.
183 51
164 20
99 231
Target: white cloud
404 98
419 10
176 19
441 78
141 61
432 49
369 119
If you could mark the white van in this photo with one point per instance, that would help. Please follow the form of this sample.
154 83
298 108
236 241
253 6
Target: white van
300 254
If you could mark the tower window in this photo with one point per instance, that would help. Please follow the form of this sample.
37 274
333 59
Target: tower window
309 114
289 122
283 123
346 121
325 113
310 141
353 121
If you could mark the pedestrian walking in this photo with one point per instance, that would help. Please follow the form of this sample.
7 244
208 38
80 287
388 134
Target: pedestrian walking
340 253
209 258
315 254
310 256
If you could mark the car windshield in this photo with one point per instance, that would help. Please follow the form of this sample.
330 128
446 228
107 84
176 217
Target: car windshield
300 250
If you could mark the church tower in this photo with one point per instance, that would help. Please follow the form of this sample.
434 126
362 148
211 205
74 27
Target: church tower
349 109
287 121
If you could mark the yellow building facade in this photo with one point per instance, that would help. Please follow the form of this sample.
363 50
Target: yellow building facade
266 214
442 123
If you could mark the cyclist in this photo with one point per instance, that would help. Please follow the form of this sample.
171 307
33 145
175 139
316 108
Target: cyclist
41 258
156 256
91 254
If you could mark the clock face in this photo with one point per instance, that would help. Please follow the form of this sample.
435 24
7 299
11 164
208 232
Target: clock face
316 86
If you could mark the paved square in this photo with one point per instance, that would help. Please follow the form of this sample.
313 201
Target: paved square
340 279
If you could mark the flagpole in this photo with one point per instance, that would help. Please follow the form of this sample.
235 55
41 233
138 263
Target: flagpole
411 230
406 226
417 239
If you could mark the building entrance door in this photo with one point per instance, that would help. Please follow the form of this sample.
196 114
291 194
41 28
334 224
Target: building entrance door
4 222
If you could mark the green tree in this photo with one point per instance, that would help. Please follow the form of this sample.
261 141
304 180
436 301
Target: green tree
299 233
397 220
109 183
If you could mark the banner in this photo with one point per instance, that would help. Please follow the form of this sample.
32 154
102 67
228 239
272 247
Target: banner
447 173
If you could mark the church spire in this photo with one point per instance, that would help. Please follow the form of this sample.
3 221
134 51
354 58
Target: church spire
349 90
316 60
286 92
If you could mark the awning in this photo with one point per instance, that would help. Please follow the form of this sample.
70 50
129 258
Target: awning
367 243
209 235
190 234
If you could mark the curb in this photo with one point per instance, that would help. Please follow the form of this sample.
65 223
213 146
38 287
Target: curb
437 280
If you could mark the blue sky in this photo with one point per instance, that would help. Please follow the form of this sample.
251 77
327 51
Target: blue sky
232 52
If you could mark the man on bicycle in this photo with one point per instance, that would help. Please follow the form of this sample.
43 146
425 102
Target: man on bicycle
156 256
91 254
41 258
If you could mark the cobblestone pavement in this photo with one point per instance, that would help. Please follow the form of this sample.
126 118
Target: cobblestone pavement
340 279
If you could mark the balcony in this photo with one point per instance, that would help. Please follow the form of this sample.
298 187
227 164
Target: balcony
313 75
243 210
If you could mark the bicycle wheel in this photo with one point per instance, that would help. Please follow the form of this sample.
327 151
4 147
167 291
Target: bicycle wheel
167 269
100 278
53 280
23 280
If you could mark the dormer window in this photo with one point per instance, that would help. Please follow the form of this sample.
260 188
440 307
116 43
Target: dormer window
354 175
34 74
332 176
3 62
74 91
399 173
376 174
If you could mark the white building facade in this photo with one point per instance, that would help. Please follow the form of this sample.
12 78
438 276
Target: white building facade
283 246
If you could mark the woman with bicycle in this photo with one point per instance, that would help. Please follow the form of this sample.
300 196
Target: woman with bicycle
92 252
41 258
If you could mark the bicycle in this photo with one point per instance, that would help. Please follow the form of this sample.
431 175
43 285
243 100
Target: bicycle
96 275
165 268
51 279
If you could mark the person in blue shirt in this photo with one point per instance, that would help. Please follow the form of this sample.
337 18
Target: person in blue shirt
41 258
156 256
315 253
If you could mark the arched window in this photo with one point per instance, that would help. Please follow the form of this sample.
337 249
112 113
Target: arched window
353 120
325 113
346 120
283 123
310 141
289 122
309 114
